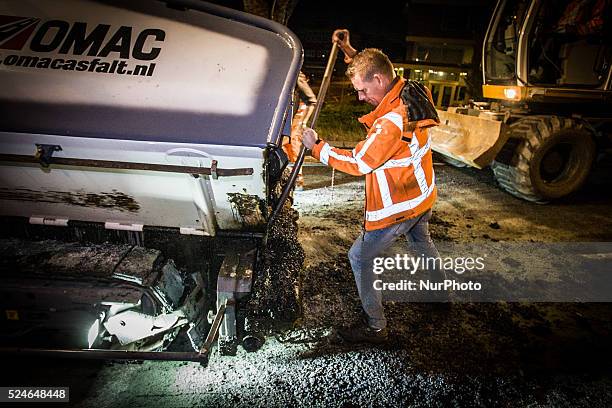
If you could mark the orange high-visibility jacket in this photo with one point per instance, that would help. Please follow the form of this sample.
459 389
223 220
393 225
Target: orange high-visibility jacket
398 165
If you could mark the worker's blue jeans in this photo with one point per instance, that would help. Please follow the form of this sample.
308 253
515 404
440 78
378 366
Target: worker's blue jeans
371 244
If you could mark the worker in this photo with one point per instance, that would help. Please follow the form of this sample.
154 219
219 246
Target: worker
583 18
396 160
305 100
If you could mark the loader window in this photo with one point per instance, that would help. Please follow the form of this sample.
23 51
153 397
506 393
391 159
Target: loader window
446 96
460 95
501 44
568 46
435 92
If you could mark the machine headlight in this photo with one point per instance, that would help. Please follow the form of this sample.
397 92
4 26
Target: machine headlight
511 93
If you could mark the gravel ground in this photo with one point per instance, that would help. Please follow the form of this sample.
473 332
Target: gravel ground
488 355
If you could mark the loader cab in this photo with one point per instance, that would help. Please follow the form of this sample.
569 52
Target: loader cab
501 58
562 44
568 46
546 72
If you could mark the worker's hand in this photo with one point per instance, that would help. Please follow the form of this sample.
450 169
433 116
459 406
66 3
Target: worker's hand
309 138
343 38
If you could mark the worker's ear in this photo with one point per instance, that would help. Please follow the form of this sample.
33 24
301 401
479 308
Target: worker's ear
381 81
378 79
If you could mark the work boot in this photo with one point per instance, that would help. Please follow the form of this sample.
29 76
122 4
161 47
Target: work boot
362 333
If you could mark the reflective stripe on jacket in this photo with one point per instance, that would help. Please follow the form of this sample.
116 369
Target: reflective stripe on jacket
398 164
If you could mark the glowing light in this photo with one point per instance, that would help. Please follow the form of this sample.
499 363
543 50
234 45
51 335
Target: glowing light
510 93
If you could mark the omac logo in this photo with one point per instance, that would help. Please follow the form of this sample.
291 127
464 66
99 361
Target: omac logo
79 38
15 31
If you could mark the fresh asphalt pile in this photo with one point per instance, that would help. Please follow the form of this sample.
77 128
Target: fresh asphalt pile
275 301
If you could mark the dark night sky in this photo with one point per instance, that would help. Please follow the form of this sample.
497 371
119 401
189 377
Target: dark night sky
384 17
384 23
317 14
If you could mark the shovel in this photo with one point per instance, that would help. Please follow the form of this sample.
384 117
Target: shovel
300 159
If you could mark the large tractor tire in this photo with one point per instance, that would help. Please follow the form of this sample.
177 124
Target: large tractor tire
546 157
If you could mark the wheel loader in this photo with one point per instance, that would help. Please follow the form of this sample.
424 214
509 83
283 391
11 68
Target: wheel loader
546 70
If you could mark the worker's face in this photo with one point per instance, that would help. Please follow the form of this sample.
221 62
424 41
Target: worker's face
372 91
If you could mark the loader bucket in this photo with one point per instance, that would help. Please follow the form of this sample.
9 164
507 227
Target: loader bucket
473 140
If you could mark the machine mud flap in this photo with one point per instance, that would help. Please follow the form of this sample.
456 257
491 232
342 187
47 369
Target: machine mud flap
202 356
473 140
233 283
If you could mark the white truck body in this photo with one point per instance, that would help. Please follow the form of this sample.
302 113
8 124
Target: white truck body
139 82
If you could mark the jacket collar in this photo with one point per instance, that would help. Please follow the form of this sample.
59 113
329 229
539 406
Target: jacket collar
389 102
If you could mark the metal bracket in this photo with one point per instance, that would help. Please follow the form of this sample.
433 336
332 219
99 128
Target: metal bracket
214 330
233 283
58 222
120 226
44 153
192 231
43 156
213 170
